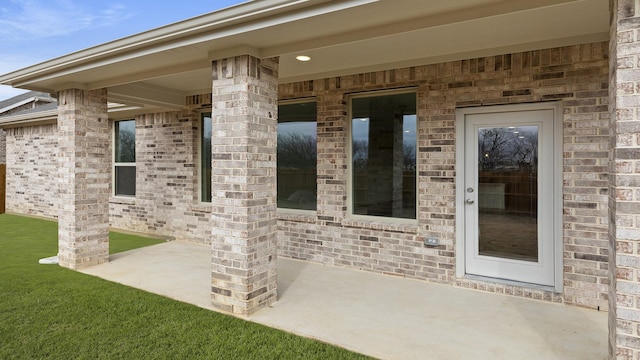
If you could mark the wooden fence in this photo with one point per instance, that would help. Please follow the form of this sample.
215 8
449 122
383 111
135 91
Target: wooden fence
3 187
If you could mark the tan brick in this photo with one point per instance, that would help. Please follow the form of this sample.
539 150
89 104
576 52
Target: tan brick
624 204
83 170
31 161
243 226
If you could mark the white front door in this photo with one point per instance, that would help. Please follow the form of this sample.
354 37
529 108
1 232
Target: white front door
509 193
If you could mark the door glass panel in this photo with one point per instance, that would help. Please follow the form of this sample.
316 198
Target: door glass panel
508 192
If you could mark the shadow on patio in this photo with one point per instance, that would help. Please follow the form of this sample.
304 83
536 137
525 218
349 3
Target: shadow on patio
378 315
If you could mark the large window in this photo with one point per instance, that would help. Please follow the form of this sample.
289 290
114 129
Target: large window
205 157
297 159
125 158
383 154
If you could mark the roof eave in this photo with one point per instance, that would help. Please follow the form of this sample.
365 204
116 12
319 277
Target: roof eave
170 34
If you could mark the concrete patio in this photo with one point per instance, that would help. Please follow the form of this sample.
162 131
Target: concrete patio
377 315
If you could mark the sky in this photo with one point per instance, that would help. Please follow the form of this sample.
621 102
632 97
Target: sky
33 31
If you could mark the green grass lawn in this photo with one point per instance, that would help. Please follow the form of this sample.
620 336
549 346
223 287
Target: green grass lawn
48 312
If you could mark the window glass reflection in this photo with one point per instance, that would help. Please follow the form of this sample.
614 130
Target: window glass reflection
383 152
205 157
297 156
508 192
125 141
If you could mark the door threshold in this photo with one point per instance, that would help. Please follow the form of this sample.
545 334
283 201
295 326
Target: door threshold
511 282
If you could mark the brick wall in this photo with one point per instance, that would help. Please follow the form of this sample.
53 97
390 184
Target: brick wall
3 147
32 185
167 198
577 75
167 156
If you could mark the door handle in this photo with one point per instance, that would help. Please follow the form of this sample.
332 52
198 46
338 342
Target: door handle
469 201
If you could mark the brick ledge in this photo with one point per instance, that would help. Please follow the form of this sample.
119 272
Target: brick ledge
385 226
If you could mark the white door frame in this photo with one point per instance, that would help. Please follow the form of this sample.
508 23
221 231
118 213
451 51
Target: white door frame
557 183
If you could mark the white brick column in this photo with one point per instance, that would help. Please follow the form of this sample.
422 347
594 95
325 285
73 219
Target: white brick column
244 116
624 182
3 147
84 173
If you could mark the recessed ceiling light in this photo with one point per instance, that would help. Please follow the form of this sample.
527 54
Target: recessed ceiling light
303 58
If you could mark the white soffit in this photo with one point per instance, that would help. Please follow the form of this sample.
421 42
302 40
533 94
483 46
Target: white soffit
547 27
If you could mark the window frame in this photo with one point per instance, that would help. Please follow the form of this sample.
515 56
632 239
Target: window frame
349 150
117 164
201 115
293 102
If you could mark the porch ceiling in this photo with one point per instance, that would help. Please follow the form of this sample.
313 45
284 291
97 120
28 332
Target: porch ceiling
158 68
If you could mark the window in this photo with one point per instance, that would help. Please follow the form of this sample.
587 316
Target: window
125 158
205 157
383 155
297 159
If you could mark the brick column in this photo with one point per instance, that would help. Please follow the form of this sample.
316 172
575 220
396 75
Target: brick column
244 116
84 173
624 182
3 147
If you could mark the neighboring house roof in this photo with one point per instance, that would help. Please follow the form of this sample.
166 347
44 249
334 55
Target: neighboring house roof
157 69
37 109
45 114
27 102
30 107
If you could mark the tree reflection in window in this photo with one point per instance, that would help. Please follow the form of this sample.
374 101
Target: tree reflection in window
125 158
383 155
205 157
500 148
297 156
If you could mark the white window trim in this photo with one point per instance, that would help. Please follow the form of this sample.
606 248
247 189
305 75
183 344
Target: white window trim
371 218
